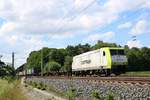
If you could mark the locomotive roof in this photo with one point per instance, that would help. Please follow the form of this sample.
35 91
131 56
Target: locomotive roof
93 51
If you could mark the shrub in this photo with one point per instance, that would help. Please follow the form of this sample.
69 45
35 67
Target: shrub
10 79
110 96
39 85
95 95
71 93
43 86
34 84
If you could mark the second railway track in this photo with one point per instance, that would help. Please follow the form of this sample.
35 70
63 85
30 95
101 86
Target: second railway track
125 80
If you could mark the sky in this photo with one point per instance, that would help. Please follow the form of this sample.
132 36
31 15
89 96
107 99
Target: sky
28 25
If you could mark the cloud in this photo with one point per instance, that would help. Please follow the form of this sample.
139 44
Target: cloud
6 28
147 4
139 28
27 22
95 37
134 44
12 39
32 17
65 35
50 16
118 6
79 4
125 25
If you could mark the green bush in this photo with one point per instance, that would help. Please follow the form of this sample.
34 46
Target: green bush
71 93
39 85
43 86
110 96
52 66
10 79
34 84
95 95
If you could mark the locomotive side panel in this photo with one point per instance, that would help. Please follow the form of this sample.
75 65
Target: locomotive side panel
104 58
92 60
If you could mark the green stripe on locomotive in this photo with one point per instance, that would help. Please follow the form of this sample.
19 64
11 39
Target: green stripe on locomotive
110 64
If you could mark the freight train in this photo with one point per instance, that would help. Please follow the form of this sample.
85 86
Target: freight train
104 61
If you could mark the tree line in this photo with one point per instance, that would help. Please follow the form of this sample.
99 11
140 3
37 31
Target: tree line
6 70
56 60
138 58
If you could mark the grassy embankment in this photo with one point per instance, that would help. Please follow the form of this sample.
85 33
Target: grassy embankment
137 73
10 90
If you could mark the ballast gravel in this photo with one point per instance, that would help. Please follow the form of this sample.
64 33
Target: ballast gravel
84 89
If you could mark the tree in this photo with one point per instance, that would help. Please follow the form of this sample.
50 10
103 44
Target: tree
126 47
138 58
78 49
1 63
52 66
133 58
101 44
145 53
83 48
58 55
6 70
34 59
67 64
71 51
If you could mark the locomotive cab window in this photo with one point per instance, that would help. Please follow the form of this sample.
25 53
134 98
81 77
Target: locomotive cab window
104 53
113 52
121 52
117 52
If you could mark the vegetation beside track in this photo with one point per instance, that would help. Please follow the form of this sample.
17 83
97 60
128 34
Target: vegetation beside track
70 94
137 73
11 90
42 86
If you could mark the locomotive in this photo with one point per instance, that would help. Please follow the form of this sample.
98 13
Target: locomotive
103 61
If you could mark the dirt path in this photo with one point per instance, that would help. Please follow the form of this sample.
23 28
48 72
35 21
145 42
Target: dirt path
36 94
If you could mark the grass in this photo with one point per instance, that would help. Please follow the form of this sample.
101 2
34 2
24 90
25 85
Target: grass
3 85
71 93
96 96
11 90
137 73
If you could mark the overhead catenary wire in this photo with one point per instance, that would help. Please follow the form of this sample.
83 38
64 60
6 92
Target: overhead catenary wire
73 16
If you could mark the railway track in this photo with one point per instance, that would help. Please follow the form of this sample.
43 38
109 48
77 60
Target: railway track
121 80
124 80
